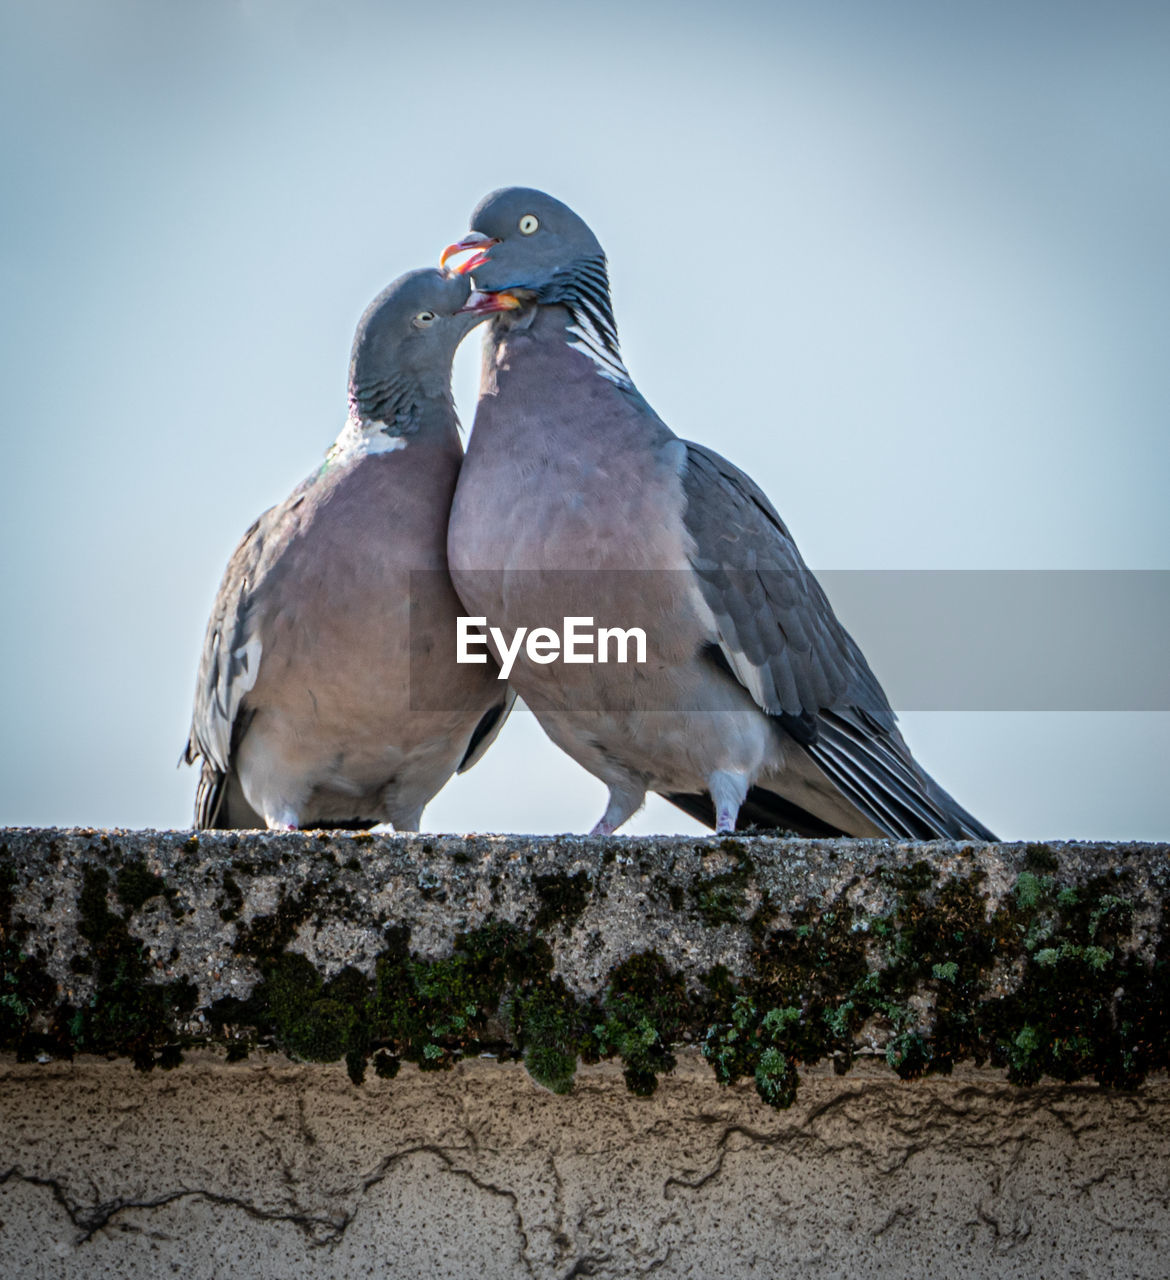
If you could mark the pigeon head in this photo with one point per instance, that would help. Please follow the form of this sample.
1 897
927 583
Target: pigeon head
405 343
525 247
522 239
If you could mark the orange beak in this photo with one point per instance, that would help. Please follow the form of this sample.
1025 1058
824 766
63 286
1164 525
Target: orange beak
475 243
483 304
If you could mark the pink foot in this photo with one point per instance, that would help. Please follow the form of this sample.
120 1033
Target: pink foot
602 828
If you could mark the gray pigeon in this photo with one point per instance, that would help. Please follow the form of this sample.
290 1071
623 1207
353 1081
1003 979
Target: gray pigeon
754 706
328 692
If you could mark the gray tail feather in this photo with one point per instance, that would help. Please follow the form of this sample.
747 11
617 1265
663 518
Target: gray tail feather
209 796
877 774
970 826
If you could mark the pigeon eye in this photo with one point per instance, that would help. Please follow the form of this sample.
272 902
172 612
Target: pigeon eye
529 223
424 319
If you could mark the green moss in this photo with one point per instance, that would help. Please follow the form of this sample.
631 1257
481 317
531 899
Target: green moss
26 989
134 884
1085 1004
265 938
731 1046
911 1055
430 1012
1039 857
233 898
1030 889
549 1026
309 1017
562 899
776 1078
722 898
386 1066
645 1012
760 1046
1043 982
313 1020
435 1012
128 1013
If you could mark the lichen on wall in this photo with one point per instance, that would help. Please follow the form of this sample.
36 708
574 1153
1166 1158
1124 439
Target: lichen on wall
769 955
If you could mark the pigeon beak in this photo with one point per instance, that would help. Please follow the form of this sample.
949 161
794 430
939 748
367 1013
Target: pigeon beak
484 304
476 243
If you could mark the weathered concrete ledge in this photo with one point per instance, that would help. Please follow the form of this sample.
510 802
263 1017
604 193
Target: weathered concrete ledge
761 1056
767 953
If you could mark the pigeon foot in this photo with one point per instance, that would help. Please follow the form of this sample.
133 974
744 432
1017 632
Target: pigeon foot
728 792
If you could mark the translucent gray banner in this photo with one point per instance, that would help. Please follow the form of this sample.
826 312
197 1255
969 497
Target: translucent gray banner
937 640
1011 640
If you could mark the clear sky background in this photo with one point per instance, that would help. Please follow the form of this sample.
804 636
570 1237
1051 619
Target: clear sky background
907 264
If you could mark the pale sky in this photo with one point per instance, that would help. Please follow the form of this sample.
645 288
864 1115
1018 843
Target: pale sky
908 266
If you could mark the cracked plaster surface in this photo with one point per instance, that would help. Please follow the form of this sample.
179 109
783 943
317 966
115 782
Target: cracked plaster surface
268 1169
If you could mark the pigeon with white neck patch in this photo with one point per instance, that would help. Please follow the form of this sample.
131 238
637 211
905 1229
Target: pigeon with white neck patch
328 692
756 708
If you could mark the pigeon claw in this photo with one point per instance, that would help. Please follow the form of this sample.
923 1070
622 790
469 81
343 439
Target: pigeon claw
475 243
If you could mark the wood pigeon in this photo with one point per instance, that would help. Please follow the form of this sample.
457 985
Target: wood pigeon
754 706
328 692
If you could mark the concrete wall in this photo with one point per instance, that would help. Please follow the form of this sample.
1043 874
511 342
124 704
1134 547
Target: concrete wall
928 1023
268 1169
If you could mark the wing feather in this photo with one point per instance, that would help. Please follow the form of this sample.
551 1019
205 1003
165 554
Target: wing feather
775 625
779 637
232 653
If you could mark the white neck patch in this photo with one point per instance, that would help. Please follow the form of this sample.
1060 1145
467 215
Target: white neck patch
596 339
362 436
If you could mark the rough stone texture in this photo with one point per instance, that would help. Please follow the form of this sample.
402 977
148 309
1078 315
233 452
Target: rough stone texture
715 975
271 1170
